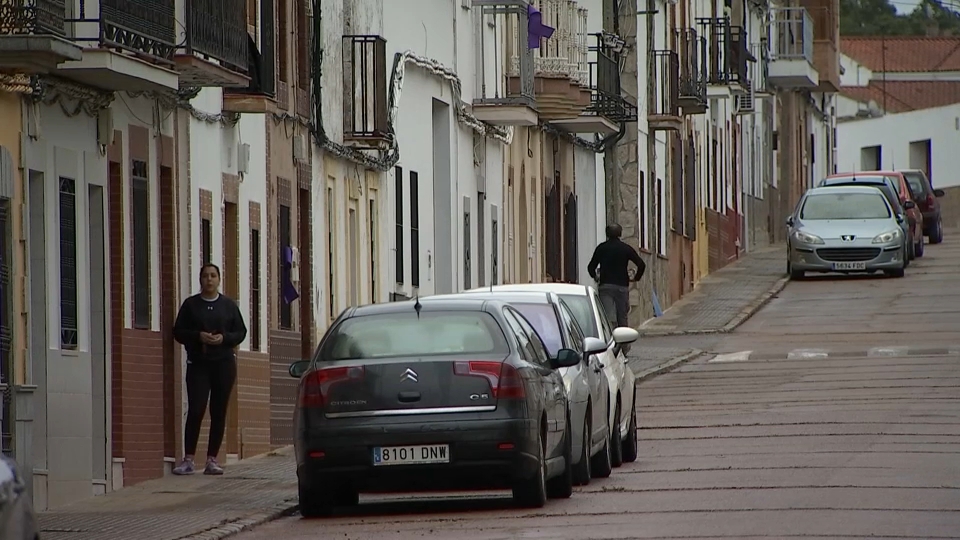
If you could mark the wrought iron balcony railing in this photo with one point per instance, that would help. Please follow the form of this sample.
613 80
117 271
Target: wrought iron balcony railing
217 29
146 28
693 68
666 102
717 50
739 54
507 18
791 34
604 80
32 17
364 87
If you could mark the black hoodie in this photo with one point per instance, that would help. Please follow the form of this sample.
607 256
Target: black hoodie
221 316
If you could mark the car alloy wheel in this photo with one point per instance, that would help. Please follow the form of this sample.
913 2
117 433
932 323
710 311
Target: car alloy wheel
581 471
532 492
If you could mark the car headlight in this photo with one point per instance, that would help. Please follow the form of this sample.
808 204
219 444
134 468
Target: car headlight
887 237
807 238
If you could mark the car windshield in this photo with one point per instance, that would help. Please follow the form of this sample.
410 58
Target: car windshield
845 206
582 312
543 318
407 334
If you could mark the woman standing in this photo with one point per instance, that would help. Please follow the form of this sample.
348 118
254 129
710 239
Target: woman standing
209 326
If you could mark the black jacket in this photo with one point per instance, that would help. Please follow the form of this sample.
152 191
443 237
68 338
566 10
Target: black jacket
215 316
612 257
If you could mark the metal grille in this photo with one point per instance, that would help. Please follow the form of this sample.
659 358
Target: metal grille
690 190
218 29
255 290
667 68
205 241
365 87
141 246
398 212
495 249
467 281
286 311
68 263
848 254
414 229
6 335
693 67
26 17
142 26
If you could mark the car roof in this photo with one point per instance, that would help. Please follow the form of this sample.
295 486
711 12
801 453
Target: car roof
873 179
865 173
842 189
427 304
558 288
536 297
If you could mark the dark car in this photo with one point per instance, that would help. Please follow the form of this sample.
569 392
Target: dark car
17 518
926 198
431 394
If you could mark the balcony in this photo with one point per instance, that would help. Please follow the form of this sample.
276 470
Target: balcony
607 109
560 69
365 91
33 36
726 54
826 35
496 104
693 72
215 45
128 45
791 49
258 96
664 110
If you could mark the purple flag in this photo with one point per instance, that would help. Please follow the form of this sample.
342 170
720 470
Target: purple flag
536 30
289 291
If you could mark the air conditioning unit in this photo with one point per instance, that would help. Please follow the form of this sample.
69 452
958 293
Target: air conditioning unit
745 103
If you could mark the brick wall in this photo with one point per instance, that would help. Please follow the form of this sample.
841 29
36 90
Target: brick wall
138 383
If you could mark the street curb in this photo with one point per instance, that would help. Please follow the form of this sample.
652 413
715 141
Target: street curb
741 317
284 509
667 366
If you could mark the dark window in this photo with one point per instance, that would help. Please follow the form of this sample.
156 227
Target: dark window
331 259
140 209
206 241
690 191
254 290
414 229
303 45
481 241
676 184
268 47
68 263
374 246
283 39
286 311
398 199
495 249
466 244
6 331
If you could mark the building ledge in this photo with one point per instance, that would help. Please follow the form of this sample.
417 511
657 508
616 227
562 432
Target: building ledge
249 103
195 71
505 114
109 70
665 122
587 123
793 73
36 53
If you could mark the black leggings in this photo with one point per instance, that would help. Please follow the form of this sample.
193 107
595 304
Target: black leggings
211 380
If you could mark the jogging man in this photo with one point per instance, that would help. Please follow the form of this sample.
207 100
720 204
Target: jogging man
612 257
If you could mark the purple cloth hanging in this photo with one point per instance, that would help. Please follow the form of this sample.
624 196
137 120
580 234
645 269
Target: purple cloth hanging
536 30
289 291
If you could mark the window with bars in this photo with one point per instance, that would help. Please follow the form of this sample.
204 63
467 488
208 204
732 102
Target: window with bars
140 218
374 246
255 290
68 263
467 269
414 229
494 247
481 241
398 210
331 257
286 310
283 39
6 331
205 241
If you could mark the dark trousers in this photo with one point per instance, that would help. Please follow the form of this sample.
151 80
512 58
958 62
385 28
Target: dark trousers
213 381
616 303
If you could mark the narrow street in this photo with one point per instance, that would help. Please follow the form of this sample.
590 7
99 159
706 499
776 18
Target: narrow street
834 412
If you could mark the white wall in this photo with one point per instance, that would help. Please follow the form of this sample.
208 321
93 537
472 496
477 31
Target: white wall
895 132
854 73
444 32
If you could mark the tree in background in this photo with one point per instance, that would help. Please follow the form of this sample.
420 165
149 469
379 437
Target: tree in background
880 18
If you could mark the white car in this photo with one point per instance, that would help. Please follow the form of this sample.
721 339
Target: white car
586 384
584 302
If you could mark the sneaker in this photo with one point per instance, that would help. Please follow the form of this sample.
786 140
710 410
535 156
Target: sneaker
186 467
213 467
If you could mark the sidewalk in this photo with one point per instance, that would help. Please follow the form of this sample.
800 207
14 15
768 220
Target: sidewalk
726 298
721 301
253 491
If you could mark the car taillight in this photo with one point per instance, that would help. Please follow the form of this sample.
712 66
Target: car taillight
504 379
316 385
930 199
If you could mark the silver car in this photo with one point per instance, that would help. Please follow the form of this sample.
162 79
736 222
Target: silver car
17 518
845 229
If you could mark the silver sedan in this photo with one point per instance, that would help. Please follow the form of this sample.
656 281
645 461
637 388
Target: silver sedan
845 229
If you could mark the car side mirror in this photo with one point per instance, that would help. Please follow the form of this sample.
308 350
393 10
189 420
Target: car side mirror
790 221
298 368
909 205
566 358
592 345
624 335
899 218
938 193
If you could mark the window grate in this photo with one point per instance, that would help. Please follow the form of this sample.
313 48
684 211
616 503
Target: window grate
68 263
255 290
140 208
286 310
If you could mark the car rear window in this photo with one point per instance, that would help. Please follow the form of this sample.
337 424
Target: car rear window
916 184
407 334
543 318
582 312
845 206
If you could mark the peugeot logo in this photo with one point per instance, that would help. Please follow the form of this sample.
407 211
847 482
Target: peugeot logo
409 375
847 237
